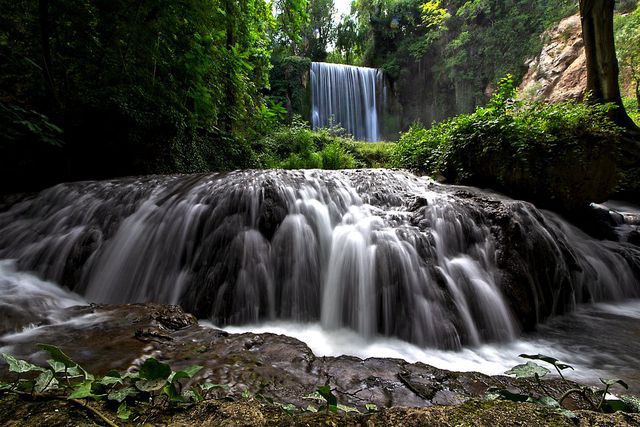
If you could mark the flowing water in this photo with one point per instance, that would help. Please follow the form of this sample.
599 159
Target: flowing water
347 96
369 262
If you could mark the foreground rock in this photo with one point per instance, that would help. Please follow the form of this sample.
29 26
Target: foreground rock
274 367
20 411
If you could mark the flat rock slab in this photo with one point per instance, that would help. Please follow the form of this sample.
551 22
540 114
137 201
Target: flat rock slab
121 337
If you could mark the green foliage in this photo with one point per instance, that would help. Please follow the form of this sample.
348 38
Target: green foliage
536 151
443 55
146 87
528 370
532 370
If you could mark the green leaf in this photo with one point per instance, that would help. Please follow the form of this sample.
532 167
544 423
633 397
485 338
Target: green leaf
551 360
45 381
347 409
123 411
246 393
150 385
112 377
332 400
151 369
170 390
83 391
371 407
185 373
528 370
289 408
615 406
567 413
56 366
503 393
26 385
210 386
547 401
632 402
193 394
612 382
311 408
20 366
57 355
122 393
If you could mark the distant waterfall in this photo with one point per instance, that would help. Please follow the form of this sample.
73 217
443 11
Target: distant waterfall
348 94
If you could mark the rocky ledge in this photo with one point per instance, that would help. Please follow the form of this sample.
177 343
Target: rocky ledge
275 367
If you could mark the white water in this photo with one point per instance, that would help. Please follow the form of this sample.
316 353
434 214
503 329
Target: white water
348 96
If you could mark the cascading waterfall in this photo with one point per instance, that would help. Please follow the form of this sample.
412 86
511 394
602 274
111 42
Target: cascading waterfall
346 95
380 252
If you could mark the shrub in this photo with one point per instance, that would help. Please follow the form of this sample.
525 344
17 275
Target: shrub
560 155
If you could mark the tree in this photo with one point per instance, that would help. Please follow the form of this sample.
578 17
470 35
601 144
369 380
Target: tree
347 38
602 64
292 16
319 32
628 48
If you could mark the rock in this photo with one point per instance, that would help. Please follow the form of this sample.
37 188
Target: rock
559 72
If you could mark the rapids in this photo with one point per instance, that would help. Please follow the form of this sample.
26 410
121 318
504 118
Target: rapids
379 253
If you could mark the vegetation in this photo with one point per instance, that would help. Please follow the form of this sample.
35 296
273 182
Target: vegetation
296 146
561 155
597 400
130 87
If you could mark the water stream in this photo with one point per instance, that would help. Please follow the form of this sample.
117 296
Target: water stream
368 262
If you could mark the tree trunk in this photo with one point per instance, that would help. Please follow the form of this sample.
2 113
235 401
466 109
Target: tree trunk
602 64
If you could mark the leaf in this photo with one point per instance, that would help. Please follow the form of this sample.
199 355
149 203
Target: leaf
122 393
371 407
551 360
210 386
567 413
151 370
20 366
332 400
123 411
632 402
45 381
246 393
528 370
57 355
311 408
547 401
170 390
612 382
315 396
347 409
615 406
56 366
83 391
112 377
193 394
289 408
150 385
188 372
503 393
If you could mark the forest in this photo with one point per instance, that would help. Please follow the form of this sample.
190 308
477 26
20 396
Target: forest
319 212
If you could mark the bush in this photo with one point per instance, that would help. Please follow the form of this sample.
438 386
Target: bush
559 155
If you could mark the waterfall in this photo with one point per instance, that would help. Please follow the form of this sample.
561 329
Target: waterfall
346 95
383 253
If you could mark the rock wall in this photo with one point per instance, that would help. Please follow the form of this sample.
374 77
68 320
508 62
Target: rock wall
559 72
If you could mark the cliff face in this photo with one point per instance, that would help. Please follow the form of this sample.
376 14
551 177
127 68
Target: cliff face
559 72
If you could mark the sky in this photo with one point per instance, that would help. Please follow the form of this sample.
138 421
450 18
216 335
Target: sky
343 7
